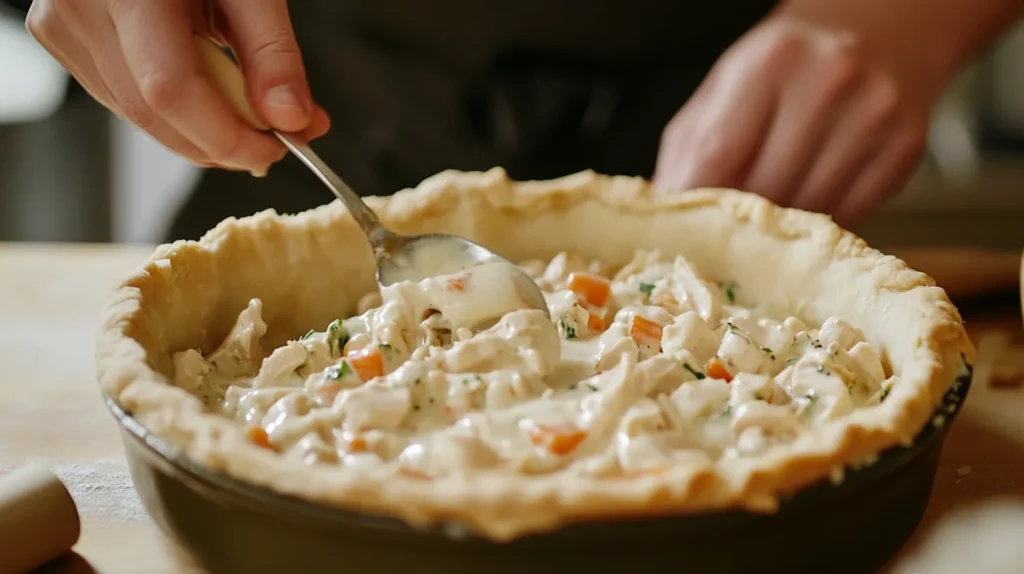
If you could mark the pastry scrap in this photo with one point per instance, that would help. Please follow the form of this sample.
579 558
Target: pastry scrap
632 374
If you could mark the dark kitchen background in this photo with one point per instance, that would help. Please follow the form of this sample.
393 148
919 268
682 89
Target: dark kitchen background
70 171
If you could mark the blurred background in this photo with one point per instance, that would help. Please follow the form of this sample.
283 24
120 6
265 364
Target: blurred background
70 171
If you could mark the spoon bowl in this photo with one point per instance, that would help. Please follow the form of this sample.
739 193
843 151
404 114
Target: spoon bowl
418 257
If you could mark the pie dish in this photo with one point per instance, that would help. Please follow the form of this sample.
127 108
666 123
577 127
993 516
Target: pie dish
309 269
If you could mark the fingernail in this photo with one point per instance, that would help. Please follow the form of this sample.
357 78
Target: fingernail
285 97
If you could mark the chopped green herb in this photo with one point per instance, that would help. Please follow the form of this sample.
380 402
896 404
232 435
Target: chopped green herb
573 386
385 348
647 288
730 290
758 397
339 371
885 393
592 387
732 329
337 337
307 335
815 343
726 412
693 371
570 332
771 353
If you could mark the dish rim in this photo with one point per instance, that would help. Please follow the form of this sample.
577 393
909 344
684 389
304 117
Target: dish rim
271 502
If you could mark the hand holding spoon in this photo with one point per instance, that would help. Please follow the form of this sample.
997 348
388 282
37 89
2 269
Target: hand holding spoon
399 257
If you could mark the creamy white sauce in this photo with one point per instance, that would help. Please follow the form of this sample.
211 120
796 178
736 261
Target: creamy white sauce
655 367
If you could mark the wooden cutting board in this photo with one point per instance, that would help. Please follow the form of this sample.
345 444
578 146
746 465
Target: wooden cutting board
50 409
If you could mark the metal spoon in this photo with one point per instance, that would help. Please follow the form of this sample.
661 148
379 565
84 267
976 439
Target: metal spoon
399 257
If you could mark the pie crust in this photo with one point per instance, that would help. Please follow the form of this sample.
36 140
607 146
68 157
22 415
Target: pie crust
312 267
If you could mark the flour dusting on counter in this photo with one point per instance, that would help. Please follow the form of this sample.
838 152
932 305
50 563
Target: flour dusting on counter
102 490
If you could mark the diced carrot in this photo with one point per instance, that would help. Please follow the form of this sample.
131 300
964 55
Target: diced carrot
594 289
560 440
457 284
601 312
258 437
357 443
716 370
368 363
644 331
595 324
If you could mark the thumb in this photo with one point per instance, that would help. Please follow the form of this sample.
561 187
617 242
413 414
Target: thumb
263 39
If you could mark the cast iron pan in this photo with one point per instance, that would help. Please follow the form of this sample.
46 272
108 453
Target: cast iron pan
232 527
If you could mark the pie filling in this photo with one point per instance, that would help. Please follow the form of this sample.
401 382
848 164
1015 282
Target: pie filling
633 374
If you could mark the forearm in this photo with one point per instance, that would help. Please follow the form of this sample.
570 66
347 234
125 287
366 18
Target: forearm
928 39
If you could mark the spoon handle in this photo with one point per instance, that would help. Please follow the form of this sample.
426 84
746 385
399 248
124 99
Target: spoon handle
228 77
361 212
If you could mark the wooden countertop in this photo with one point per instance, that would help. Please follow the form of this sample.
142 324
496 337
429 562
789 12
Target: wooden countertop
51 411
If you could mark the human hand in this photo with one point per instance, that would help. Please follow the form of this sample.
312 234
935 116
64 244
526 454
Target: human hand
139 59
804 115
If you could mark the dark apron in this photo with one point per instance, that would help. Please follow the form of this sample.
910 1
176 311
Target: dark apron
541 88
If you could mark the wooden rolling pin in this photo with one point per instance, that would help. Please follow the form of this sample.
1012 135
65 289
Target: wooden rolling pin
38 519
966 272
